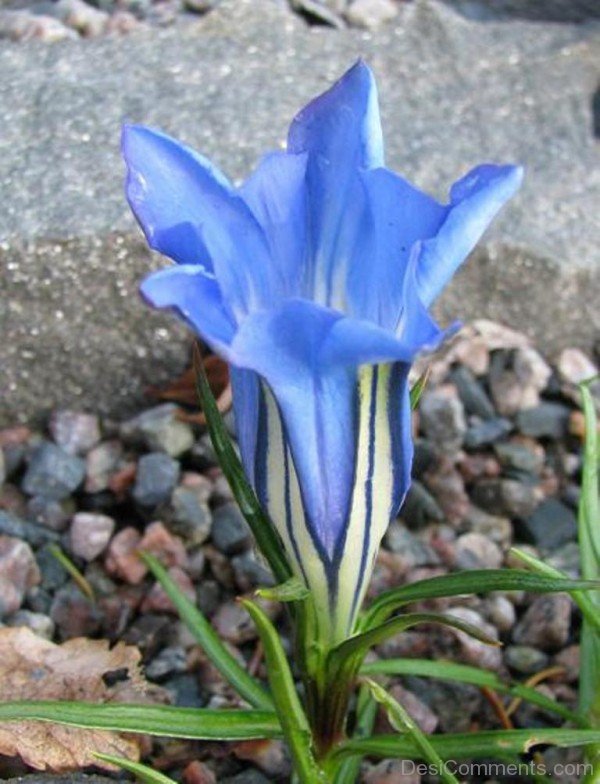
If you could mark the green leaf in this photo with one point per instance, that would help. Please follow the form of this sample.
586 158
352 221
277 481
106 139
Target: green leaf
418 388
583 599
164 720
470 745
249 688
142 772
262 528
292 590
469 582
403 722
69 567
346 658
292 718
589 506
465 674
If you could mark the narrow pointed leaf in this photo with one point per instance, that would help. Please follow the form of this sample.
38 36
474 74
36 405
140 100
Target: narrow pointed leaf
294 723
471 745
462 673
418 388
142 772
263 530
164 720
402 721
246 686
293 590
470 582
345 659
583 598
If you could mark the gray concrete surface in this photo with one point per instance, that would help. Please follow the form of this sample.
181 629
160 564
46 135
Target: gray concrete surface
454 93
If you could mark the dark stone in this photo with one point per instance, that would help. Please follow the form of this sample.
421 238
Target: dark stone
230 533
420 507
208 596
517 456
454 703
550 526
548 420
474 397
249 776
525 659
36 535
186 691
53 473
49 512
399 540
74 614
149 632
159 430
250 573
424 457
487 432
70 778
156 478
546 624
53 573
506 497
172 660
534 10
189 516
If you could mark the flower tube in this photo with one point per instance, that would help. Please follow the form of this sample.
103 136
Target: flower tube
313 280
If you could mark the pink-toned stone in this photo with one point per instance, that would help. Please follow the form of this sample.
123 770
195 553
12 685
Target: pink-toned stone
420 711
198 773
169 549
121 558
268 755
90 534
19 573
158 601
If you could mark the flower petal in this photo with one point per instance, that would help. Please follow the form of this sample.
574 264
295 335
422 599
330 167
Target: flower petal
341 132
400 215
309 357
474 201
245 388
276 195
189 212
317 406
195 297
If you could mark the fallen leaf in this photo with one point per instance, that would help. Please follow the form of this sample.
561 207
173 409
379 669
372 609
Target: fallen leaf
183 389
32 668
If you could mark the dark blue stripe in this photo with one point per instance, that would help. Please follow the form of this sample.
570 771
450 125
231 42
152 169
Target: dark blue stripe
288 503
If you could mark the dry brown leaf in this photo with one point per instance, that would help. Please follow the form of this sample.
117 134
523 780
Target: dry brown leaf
32 668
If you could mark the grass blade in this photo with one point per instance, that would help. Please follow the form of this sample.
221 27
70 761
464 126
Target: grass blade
470 745
163 720
249 688
475 581
462 673
293 720
142 772
402 721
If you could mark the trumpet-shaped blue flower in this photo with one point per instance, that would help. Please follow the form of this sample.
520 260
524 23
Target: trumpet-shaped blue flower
313 279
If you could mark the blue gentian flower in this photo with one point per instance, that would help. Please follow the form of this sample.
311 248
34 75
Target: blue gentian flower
313 280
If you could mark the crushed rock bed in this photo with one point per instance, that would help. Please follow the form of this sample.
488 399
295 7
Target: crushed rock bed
497 463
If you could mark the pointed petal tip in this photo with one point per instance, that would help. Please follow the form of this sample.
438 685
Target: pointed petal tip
503 179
